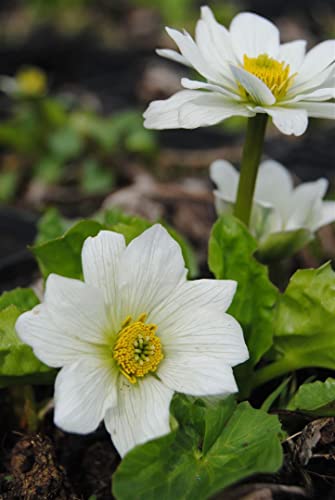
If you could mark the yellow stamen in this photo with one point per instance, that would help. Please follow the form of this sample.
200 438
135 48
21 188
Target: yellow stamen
137 349
273 73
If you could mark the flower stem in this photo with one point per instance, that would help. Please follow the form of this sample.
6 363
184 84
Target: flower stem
274 370
252 152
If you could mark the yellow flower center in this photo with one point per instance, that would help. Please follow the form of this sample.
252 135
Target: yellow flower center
273 73
137 349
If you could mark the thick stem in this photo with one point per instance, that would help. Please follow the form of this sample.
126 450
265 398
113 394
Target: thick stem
272 371
252 152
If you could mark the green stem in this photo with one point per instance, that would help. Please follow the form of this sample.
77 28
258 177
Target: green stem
272 371
252 152
24 406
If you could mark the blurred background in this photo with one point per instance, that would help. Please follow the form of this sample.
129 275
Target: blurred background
75 77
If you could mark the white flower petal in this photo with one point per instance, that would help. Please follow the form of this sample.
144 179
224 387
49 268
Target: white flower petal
100 259
142 413
222 205
287 120
316 95
323 79
209 109
259 92
305 205
226 178
213 53
316 61
165 114
318 109
52 345
219 34
293 53
76 308
195 85
194 294
197 374
173 55
327 213
192 320
83 392
253 35
193 55
151 267
265 219
272 175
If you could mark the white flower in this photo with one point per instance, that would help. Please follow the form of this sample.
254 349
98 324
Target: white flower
278 206
247 71
130 335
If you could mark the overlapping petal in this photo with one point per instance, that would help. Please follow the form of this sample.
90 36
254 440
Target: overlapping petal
290 121
253 35
209 109
151 267
100 259
197 374
83 392
142 413
51 344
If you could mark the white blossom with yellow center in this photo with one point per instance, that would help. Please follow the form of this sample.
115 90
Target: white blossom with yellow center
247 71
131 334
279 208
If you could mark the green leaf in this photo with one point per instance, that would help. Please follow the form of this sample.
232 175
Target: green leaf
231 250
49 169
63 255
51 225
96 178
23 298
141 141
274 395
305 320
317 397
9 180
65 143
18 363
197 461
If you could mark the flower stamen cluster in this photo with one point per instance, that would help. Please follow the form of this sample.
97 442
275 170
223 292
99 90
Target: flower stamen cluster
137 349
273 73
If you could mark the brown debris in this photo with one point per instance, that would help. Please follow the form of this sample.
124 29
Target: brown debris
320 432
35 472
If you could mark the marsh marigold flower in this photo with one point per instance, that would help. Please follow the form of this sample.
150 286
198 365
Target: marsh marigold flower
279 208
246 71
131 334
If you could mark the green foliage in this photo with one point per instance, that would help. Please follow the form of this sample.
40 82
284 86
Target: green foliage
22 298
214 446
17 361
96 178
8 184
316 397
305 319
63 254
50 226
60 253
50 136
231 250
304 325
65 143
